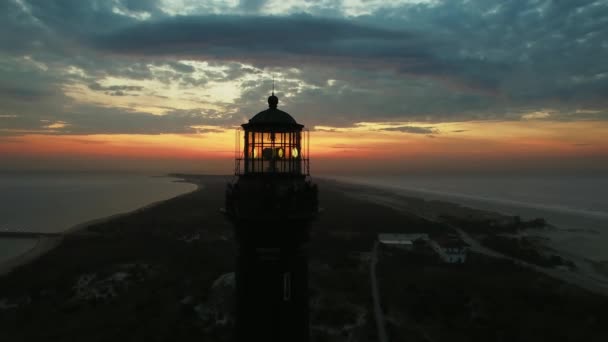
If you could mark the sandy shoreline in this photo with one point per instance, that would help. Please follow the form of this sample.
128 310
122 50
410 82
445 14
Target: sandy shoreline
42 246
45 244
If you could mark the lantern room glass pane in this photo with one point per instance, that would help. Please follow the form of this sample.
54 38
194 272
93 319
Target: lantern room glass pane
273 152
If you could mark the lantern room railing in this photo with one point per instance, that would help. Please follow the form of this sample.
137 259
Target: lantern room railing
265 153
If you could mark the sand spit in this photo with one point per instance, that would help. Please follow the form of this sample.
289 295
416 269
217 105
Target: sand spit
46 244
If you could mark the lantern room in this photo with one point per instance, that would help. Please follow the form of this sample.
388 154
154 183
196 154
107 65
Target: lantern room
274 144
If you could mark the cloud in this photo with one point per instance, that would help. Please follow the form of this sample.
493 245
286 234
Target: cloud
249 6
99 120
348 147
115 90
538 115
220 35
88 119
412 129
297 40
23 93
442 61
181 67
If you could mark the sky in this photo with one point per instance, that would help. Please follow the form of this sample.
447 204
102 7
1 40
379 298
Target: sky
385 87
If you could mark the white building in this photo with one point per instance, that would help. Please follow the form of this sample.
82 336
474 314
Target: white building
451 250
405 241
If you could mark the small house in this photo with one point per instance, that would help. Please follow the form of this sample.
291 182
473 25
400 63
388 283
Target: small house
451 249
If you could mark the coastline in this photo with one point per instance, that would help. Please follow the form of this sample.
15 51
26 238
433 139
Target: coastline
129 278
412 203
586 275
44 245
578 232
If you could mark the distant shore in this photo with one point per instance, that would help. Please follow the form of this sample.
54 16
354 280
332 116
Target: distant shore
44 245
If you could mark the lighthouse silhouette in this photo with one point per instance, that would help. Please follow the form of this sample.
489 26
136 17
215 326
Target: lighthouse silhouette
271 204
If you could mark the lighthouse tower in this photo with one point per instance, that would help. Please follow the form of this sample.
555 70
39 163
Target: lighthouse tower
271 205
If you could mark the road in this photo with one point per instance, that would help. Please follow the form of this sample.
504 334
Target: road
584 280
378 313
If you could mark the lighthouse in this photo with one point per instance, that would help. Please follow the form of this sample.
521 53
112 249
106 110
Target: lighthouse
271 204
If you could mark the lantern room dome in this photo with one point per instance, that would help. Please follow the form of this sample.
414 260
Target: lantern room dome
272 116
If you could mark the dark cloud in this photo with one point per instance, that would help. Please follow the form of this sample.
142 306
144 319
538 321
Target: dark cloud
348 147
87 119
23 93
116 90
181 67
219 35
412 129
77 18
99 120
296 40
97 86
141 6
446 61
249 6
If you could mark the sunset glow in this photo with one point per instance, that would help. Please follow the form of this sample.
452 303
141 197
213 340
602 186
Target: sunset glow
169 84
468 141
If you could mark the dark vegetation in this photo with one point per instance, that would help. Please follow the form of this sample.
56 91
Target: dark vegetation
484 299
494 233
524 249
169 256
162 270
477 225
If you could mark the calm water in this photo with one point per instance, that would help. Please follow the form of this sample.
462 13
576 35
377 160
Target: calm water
577 206
55 202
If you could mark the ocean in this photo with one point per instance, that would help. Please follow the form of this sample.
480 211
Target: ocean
576 206
54 202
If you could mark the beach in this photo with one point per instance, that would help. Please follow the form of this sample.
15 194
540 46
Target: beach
42 246
154 271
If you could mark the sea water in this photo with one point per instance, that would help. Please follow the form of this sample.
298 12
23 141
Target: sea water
54 202
576 206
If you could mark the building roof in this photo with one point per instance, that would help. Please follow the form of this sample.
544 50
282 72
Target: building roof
401 239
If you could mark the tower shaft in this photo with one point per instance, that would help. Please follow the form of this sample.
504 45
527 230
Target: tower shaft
272 292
